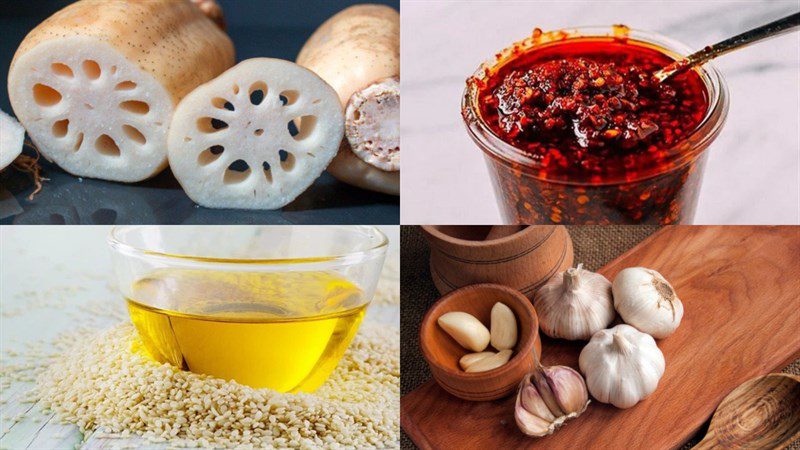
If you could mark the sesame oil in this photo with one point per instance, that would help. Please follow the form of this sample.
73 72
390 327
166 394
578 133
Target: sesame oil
283 331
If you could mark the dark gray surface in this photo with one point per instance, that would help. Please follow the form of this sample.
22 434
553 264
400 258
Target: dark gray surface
274 28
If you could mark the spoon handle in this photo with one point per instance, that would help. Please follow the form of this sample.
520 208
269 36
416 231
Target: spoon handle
770 30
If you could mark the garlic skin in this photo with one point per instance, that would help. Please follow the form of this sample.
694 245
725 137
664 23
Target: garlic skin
622 365
466 329
548 397
574 304
503 327
644 299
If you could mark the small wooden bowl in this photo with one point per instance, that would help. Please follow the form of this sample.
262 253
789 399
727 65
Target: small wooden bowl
442 352
524 259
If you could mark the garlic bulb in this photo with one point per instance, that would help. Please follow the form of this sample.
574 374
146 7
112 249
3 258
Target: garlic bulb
574 304
622 365
644 299
548 397
467 330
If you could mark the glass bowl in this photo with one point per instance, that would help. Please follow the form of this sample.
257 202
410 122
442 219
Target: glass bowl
267 306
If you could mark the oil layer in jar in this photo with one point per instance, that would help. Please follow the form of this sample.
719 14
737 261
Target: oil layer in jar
283 331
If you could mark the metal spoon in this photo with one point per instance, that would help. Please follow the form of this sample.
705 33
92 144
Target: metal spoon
770 30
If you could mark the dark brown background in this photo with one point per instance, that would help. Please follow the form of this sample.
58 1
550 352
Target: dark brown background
595 246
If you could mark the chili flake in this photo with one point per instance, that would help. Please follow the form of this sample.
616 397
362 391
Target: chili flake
600 132
591 101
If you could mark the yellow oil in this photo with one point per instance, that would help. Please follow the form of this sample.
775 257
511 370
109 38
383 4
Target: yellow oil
283 331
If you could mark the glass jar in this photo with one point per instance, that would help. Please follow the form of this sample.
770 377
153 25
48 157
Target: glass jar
658 194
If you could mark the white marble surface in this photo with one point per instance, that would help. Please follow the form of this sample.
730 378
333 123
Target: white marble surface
753 173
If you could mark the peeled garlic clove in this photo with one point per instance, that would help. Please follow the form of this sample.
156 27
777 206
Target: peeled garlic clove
548 397
468 331
490 362
471 358
645 300
503 327
574 304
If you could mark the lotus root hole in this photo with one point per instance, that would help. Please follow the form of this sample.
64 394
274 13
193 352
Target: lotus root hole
289 97
356 115
134 134
267 172
60 128
78 142
292 127
62 70
135 107
287 160
57 219
45 95
210 125
210 155
221 103
258 132
105 145
125 86
91 69
258 91
303 127
237 172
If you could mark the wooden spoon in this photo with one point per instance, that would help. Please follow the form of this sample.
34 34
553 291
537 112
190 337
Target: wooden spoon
761 413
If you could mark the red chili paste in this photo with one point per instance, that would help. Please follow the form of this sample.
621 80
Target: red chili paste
580 103
603 141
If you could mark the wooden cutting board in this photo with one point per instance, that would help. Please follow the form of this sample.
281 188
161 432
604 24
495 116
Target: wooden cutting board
740 287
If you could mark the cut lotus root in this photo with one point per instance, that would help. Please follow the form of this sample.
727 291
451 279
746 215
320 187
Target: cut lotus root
255 137
97 116
357 51
96 83
372 124
12 137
